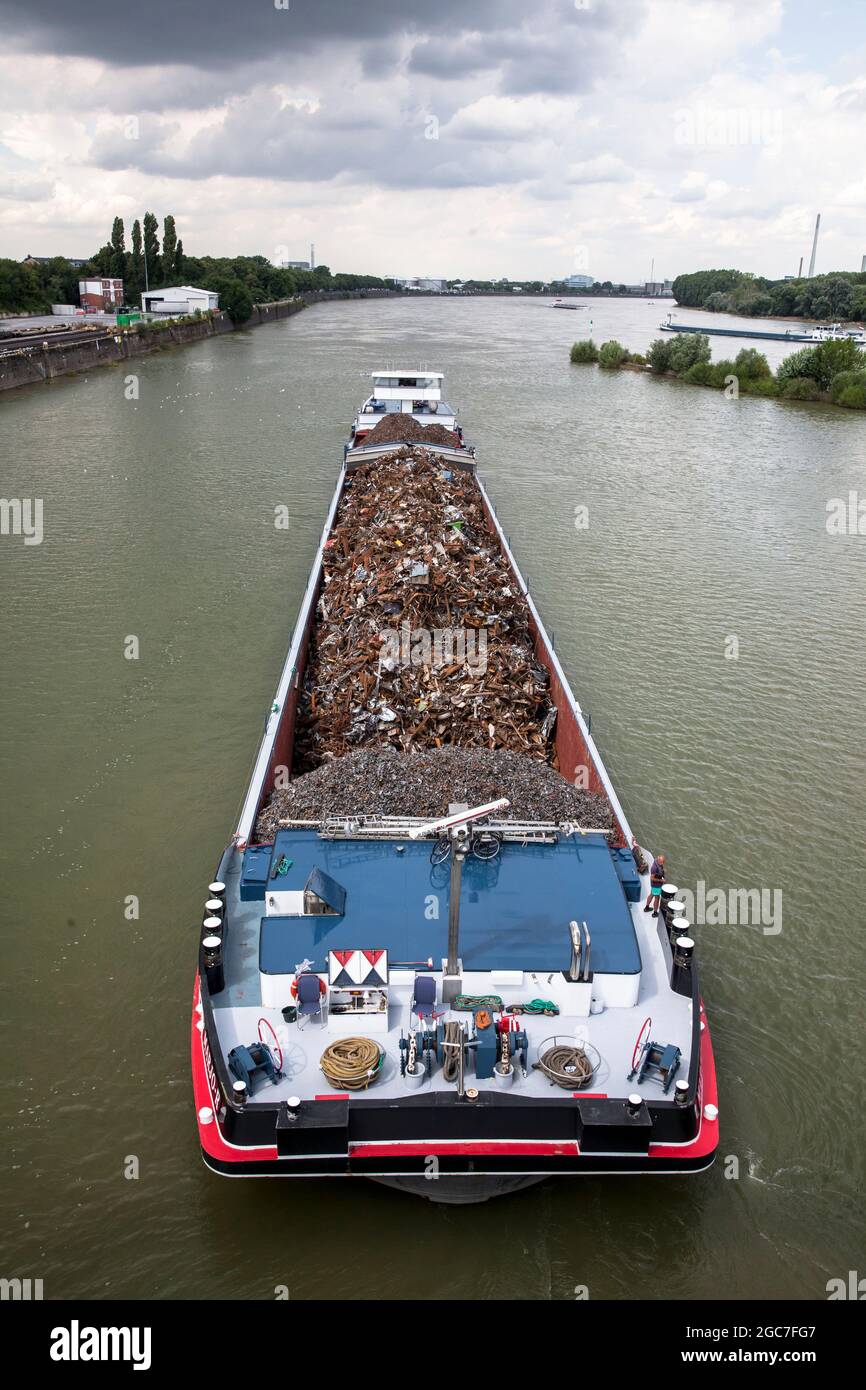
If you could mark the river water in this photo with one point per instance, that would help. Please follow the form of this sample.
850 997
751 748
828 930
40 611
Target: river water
743 760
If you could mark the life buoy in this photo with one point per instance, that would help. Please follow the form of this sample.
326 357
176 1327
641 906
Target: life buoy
322 988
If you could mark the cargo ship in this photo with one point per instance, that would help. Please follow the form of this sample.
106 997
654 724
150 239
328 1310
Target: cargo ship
833 333
430 955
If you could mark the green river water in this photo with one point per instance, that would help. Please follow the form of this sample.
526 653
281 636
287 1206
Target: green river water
707 521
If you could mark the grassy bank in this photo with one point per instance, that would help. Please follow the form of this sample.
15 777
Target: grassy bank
833 373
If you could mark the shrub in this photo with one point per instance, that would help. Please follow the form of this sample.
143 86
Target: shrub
611 354
841 381
842 355
720 370
659 355
237 301
751 363
804 363
798 388
699 374
637 358
688 349
585 351
853 397
760 386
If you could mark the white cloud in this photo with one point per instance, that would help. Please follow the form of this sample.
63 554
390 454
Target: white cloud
489 142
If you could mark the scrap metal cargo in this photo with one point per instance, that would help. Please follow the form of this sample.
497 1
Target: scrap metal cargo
429 943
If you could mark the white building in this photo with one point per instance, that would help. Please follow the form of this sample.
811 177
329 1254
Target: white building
424 284
179 299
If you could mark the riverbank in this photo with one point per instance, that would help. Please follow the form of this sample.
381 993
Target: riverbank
831 373
32 364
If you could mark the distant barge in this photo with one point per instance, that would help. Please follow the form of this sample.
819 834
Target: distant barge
835 333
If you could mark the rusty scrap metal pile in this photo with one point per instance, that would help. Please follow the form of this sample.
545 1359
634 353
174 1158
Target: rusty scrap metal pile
385 782
392 720
422 636
399 425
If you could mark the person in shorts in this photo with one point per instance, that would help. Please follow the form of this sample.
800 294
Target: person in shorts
657 878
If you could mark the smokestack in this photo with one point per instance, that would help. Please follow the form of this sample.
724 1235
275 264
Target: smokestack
815 246
863 266
312 255
800 271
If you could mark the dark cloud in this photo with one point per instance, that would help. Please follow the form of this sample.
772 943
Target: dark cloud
221 33
380 72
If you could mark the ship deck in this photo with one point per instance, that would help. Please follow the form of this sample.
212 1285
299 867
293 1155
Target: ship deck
513 943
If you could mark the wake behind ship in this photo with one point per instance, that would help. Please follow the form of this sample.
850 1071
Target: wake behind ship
425 956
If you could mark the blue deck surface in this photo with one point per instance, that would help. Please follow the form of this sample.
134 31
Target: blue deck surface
514 913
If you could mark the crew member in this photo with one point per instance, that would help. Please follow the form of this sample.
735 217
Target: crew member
657 878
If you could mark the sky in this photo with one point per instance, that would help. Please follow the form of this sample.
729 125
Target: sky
531 139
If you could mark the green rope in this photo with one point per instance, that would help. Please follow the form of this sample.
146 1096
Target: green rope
471 1002
537 1006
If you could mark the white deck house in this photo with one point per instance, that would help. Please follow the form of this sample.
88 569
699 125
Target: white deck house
179 299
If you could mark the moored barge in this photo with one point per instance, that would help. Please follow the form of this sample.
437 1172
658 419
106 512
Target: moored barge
458 997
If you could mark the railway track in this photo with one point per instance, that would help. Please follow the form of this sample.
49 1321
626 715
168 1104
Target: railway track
34 342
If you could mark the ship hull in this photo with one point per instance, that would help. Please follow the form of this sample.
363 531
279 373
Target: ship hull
502 1143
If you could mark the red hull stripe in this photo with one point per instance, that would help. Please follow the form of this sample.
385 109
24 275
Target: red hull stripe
446 1147
210 1135
706 1140
213 1143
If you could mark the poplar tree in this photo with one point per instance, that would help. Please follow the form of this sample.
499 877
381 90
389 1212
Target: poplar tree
169 249
151 249
118 248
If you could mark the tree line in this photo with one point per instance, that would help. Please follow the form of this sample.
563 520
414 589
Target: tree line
154 263
841 294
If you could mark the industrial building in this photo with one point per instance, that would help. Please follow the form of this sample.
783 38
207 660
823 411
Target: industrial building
420 283
176 300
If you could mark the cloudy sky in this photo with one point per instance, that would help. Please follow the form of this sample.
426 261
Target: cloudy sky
528 138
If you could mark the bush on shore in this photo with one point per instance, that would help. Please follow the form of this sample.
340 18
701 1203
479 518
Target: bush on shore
612 354
751 364
798 388
659 355
584 351
849 389
834 371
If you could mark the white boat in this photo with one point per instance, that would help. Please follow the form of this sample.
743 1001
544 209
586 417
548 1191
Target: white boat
837 333
413 392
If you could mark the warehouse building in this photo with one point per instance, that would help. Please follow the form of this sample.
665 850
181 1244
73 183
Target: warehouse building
179 299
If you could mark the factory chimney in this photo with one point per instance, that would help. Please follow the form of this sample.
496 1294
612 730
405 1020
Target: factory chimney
815 246
312 255
863 266
800 271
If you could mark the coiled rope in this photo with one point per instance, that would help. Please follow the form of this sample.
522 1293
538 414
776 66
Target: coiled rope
568 1067
351 1063
471 1003
536 1006
451 1049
